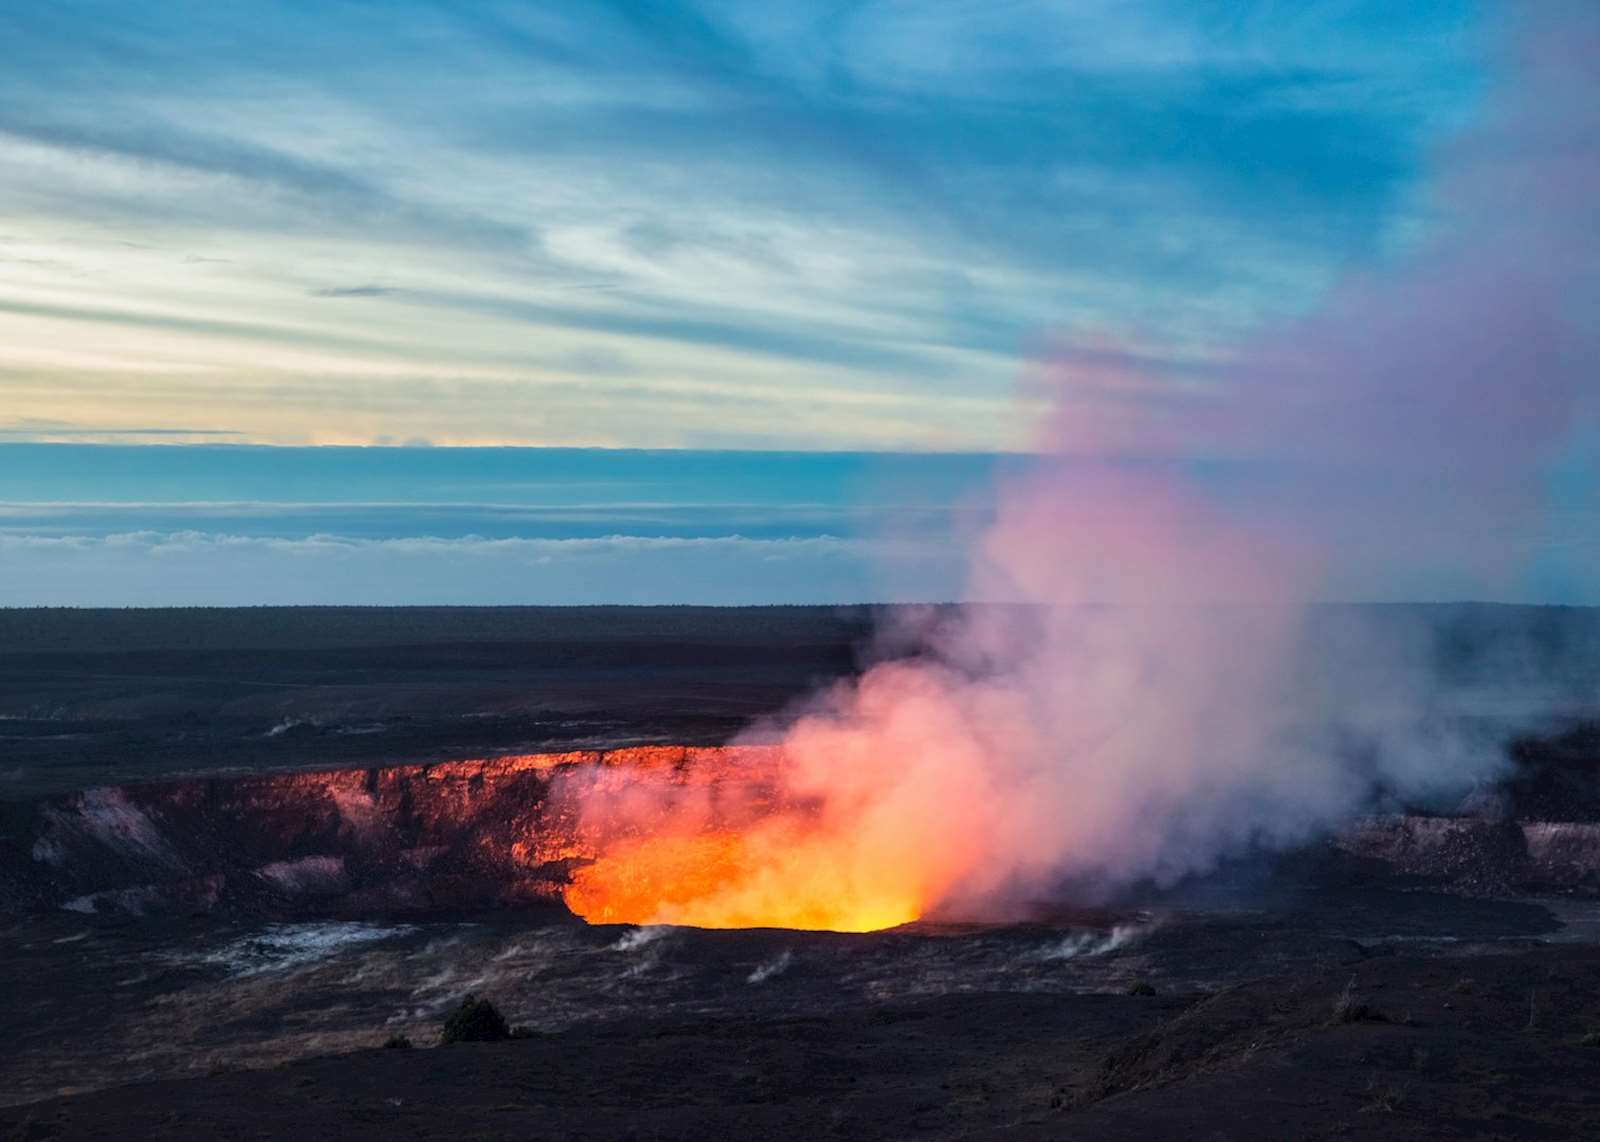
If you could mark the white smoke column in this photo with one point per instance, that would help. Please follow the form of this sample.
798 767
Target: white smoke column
1149 711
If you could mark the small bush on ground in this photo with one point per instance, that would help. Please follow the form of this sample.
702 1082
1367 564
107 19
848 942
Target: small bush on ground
475 1021
1347 1010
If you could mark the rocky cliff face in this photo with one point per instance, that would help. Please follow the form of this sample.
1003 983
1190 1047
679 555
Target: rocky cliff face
405 838
504 832
1481 855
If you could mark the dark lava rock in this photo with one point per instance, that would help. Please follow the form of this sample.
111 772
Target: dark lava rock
1557 778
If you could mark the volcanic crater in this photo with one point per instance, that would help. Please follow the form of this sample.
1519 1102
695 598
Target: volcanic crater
194 947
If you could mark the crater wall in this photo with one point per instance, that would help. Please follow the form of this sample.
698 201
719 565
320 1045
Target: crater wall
460 834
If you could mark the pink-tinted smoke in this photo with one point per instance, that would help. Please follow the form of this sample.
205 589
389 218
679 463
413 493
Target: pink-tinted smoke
1148 709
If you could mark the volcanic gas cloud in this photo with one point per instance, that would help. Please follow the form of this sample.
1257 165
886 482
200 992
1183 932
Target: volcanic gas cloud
1160 696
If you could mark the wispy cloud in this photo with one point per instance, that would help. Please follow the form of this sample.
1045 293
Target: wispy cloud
353 291
50 430
781 225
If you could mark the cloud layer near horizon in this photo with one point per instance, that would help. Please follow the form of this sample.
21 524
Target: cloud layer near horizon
183 569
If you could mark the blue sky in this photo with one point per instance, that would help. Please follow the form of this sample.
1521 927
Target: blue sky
809 257
774 225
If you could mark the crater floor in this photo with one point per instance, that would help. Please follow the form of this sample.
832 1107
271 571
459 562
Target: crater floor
1470 1019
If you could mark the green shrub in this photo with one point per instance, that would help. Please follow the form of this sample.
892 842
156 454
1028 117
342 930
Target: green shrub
397 1042
475 1021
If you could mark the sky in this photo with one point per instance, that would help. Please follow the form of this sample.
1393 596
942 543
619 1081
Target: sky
713 225
231 232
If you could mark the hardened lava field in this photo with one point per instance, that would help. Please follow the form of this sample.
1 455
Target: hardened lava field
221 936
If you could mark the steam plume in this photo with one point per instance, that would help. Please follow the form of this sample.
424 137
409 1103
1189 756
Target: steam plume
1163 697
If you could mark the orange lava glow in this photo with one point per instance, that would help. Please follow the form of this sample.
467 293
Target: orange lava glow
713 843
731 879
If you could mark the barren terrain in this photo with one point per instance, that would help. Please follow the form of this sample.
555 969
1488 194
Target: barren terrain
241 850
